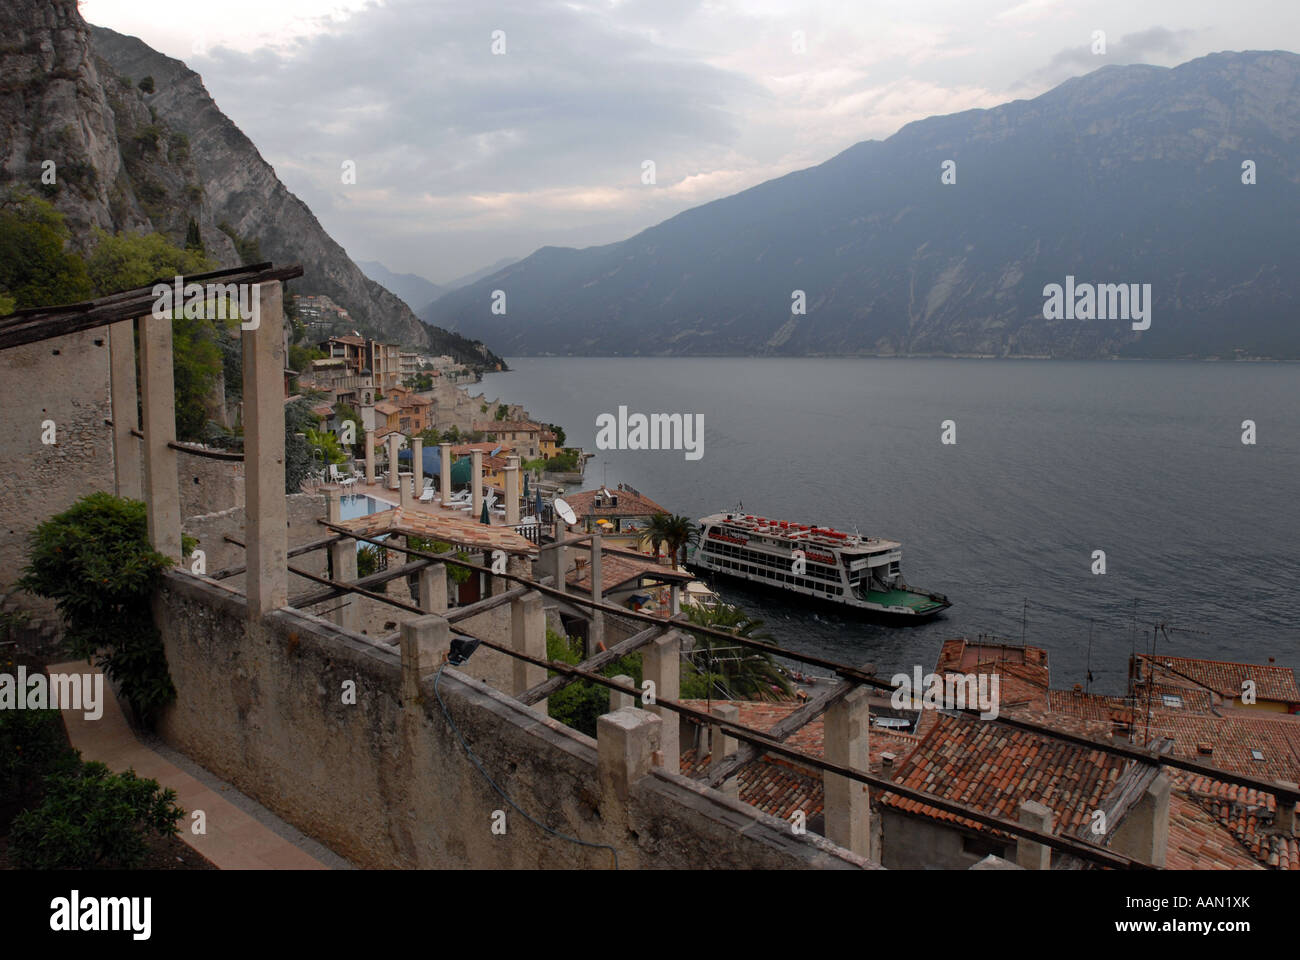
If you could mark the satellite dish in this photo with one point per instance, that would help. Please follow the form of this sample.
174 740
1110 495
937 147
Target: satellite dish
565 511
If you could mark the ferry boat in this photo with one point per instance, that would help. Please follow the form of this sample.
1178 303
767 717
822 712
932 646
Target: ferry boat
842 568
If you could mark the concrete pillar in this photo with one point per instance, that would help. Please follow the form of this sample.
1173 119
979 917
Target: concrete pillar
266 526
425 642
617 699
393 440
433 588
158 401
528 636
722 746
370 457
848 815
661 664
343 561
1144 834
596 635
674 599
417 466
476 483
512 491
444 484
559 555
1284 821
625 742
405 500
127 481
1031 854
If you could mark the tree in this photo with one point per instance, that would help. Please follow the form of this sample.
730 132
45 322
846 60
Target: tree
298 460
734 672
678 533
147 85
658 532
579 704
95 561
328 445
558 430
126 260
93 819
36 269
343 413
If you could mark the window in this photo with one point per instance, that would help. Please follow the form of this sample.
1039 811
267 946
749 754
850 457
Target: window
1171 699
1256 755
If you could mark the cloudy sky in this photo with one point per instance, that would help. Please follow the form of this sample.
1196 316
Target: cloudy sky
464 156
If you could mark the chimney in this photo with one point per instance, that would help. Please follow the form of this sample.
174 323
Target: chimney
887 763
1205 749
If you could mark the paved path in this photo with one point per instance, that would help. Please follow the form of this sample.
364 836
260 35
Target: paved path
234 839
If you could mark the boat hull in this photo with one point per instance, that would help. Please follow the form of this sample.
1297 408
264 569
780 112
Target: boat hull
895 615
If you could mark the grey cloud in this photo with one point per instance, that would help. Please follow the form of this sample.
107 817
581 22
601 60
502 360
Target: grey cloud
1154 43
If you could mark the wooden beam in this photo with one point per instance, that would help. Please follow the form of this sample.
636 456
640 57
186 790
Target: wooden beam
591 664
783 730
60 321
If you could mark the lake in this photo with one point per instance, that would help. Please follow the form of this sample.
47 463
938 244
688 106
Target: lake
1143 460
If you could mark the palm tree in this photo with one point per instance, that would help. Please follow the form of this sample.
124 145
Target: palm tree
734 672
680 531
658 532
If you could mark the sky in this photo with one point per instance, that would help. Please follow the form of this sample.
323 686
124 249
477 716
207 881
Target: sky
464 156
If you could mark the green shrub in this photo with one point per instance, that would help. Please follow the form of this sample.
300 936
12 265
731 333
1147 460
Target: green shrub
32 745
95 561
93 819
579 704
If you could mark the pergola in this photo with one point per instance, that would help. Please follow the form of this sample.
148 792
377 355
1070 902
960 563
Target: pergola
424 639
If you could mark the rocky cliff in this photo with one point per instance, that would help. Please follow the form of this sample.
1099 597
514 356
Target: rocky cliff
138 144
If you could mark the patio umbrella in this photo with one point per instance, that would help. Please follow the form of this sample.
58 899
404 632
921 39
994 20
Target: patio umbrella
539 504
483 518
525 485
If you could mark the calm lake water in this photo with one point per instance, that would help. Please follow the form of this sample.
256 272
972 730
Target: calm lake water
1053 460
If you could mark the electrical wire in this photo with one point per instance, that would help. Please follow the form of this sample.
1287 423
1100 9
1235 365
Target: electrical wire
479 766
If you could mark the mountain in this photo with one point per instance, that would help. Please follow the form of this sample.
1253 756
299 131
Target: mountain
139 145
424 312
410 287
1131 174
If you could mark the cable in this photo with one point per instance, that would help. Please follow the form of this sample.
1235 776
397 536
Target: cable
474 759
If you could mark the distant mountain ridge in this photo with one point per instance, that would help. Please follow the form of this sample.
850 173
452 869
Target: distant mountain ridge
1131 174
410 287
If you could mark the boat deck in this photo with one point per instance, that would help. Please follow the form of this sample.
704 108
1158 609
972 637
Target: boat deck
904 598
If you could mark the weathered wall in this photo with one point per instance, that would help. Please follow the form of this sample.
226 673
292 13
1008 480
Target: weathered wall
387 784
917 843
207 485
211 529
65 380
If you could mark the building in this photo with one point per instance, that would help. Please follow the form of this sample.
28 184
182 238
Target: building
363 356
524 435
622 514
1245 686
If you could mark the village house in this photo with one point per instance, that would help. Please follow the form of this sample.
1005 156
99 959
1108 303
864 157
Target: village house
622 515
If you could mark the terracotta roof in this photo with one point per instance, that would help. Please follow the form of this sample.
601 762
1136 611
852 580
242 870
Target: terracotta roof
1225 677
1199 841
1105 707
440 526
511 426
778 785
1022 671
993 769
387 408
629 504
1235 738
1247 815
486 447
618 569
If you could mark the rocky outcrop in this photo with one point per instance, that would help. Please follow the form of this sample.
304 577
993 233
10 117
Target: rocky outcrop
138 144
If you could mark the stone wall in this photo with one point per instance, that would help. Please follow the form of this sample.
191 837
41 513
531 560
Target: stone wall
208 485
386 783
210 529
65 380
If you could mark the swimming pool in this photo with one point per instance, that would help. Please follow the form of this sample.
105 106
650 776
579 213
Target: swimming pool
356 505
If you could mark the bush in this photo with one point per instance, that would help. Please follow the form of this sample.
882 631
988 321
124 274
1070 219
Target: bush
95 561
93 819
580 703
32 745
